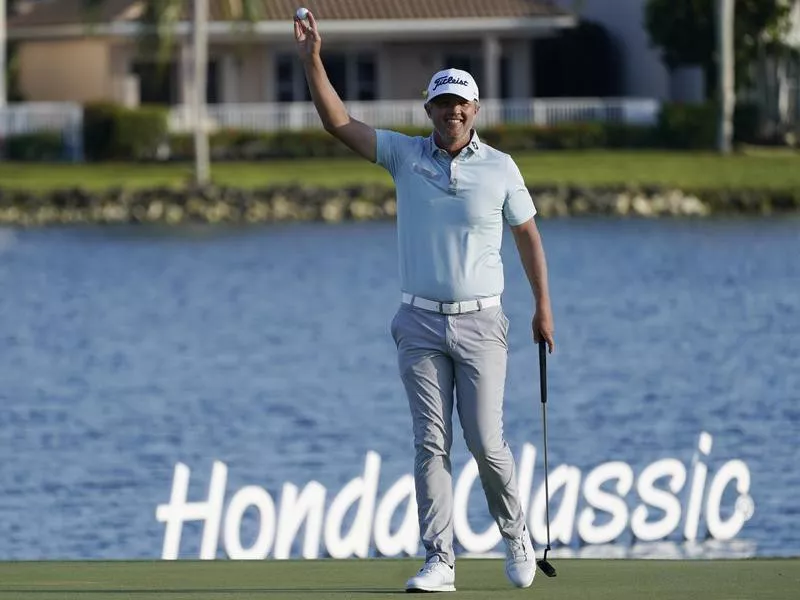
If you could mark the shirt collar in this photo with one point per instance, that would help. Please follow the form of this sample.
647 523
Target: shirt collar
474 147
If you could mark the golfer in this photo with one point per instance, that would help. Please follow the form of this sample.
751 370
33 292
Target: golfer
453 194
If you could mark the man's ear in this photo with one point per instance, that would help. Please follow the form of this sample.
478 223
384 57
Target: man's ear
477 107
428 109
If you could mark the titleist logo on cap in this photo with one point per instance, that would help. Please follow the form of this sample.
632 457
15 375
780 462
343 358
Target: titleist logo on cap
448 79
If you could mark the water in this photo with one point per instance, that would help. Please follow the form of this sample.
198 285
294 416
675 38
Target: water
125 351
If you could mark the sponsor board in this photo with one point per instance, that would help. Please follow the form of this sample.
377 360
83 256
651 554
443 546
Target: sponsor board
595 508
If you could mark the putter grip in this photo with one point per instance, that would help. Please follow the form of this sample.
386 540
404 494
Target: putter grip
543 371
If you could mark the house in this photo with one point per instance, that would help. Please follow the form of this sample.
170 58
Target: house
642 72
776 79
373 50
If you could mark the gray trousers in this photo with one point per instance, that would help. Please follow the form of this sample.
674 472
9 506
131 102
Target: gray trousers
437 355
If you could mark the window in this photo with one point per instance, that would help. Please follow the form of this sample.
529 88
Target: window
366 78
458 61
354 77
284 73
465 62
505 78
212 83
157 82
336 67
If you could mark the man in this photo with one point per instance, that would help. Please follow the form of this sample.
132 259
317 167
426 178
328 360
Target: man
453 193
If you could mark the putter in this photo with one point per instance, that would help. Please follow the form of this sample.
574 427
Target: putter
543 563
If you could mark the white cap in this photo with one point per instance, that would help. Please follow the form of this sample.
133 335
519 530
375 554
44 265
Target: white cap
452 81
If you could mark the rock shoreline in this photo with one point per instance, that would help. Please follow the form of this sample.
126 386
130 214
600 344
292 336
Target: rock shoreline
230 205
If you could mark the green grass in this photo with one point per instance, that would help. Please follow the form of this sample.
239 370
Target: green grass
384 578
767 170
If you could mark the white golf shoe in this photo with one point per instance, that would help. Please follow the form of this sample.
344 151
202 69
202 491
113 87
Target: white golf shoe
434 576
520 560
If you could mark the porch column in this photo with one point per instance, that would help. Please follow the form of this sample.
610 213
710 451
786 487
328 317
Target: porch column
784 91
230 79
520 69
491 67
185 74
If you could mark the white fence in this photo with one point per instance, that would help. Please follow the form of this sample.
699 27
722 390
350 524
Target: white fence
302 115
67 118
37 117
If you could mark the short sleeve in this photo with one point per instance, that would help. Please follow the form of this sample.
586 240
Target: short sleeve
518 207
391 149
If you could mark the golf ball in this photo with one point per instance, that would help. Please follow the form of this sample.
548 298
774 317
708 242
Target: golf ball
302 13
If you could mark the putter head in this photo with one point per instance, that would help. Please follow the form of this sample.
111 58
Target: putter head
546 567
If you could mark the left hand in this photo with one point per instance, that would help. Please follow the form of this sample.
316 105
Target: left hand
543 327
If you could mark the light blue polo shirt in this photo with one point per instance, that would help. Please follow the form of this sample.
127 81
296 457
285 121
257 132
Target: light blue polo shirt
450 214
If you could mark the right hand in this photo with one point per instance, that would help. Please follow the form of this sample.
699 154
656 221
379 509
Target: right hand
307 37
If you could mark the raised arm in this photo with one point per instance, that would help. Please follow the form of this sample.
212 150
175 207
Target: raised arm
357 136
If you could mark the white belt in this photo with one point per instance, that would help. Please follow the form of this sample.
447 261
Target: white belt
450 308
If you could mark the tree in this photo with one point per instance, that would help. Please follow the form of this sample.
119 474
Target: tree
159 20
685 32
4 10
726 17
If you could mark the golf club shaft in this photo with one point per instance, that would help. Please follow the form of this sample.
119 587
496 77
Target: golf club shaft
543 390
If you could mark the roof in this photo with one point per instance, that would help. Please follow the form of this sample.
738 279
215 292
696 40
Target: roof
49 13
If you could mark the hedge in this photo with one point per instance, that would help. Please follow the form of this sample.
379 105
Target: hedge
44 146
112 132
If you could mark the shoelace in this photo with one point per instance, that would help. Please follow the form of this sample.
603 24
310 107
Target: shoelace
518 550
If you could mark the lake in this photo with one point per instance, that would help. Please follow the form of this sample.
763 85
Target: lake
124 351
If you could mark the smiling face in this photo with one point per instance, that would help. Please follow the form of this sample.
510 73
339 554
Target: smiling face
453 118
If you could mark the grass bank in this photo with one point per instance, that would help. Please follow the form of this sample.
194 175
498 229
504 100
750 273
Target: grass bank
760 170
381 579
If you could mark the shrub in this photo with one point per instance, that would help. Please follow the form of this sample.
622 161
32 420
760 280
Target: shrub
688 126
43 146
571 136
111 131
99 123
621 135
245 145
139 132
746 123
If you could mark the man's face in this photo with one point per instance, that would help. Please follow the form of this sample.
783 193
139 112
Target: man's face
453 116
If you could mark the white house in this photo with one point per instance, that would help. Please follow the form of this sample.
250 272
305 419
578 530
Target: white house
380 49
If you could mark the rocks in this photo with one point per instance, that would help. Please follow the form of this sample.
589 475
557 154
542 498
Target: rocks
358 203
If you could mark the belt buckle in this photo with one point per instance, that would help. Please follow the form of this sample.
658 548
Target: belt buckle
450 308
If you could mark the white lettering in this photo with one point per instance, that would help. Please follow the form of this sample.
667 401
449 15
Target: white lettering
178 511
525 469
295 508
248 496
661 487
562 522
650 494
406 539
726 530
600 499
692 523
364 490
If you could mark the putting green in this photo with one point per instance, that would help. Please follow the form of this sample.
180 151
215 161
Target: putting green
382 578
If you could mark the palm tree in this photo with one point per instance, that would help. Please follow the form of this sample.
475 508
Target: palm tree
159 21
727 88
3 92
